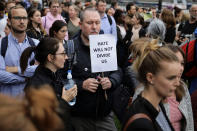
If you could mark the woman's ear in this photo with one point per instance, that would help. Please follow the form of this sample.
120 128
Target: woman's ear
150 78
50 58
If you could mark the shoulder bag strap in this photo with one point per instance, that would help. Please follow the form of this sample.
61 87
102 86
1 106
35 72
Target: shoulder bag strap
134 117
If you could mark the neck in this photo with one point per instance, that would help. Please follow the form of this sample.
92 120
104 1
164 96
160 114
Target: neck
150 95
51 67
54 15
73 18
85 40
101 14
136 26
35 25
19 36
192 20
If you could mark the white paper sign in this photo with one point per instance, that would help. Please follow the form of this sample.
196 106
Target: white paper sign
103 53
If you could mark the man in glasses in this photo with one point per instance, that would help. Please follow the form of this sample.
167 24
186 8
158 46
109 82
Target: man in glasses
12 81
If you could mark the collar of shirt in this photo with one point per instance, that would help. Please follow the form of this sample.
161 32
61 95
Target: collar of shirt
11 37
105 16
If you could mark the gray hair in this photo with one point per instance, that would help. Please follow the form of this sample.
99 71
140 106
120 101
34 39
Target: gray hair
157 29
82 14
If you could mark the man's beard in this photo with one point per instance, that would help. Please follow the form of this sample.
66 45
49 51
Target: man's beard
17 31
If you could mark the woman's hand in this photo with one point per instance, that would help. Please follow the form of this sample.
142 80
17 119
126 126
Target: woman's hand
69 94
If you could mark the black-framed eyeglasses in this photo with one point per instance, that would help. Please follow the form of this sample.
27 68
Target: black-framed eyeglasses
63 54
20 18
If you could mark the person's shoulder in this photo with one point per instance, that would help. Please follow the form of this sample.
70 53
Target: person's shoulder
141 124
35 41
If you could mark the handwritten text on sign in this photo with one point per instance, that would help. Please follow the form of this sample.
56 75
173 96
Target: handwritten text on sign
103 53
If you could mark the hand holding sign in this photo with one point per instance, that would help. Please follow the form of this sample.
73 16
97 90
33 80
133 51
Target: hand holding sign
105 83
90 84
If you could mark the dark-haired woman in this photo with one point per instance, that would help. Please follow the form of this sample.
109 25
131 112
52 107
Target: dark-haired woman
51 56
59 30
138 31
34 28
170 22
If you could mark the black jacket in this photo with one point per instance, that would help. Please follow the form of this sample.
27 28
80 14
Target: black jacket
93 105
141 105
43 76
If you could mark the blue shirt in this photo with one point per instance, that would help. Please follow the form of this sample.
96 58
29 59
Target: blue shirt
10 83
106 27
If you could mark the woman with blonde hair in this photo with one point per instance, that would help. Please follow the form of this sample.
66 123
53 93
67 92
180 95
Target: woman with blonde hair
158 70
178 104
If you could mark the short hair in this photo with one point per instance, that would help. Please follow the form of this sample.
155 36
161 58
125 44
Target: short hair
53 1
113 4
13 8
84 11
100 1
157 29
67 4
128 7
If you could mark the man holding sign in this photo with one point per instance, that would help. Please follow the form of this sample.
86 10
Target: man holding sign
92 111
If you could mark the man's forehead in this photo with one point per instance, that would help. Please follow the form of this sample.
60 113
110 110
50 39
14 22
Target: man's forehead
194 7
91 15
19 11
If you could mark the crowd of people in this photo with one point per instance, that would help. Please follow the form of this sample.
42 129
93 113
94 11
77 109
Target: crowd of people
148 92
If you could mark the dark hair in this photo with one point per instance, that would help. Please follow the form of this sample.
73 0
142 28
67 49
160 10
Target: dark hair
53 1
30 15
46 46
56 26
128 7
77 2
2 6
67 4
13 8
118 16
37 111
100 1
113 4
177 10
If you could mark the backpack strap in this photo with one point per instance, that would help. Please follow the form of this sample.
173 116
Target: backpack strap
31 42
109 19
45 20
4 46
135 117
